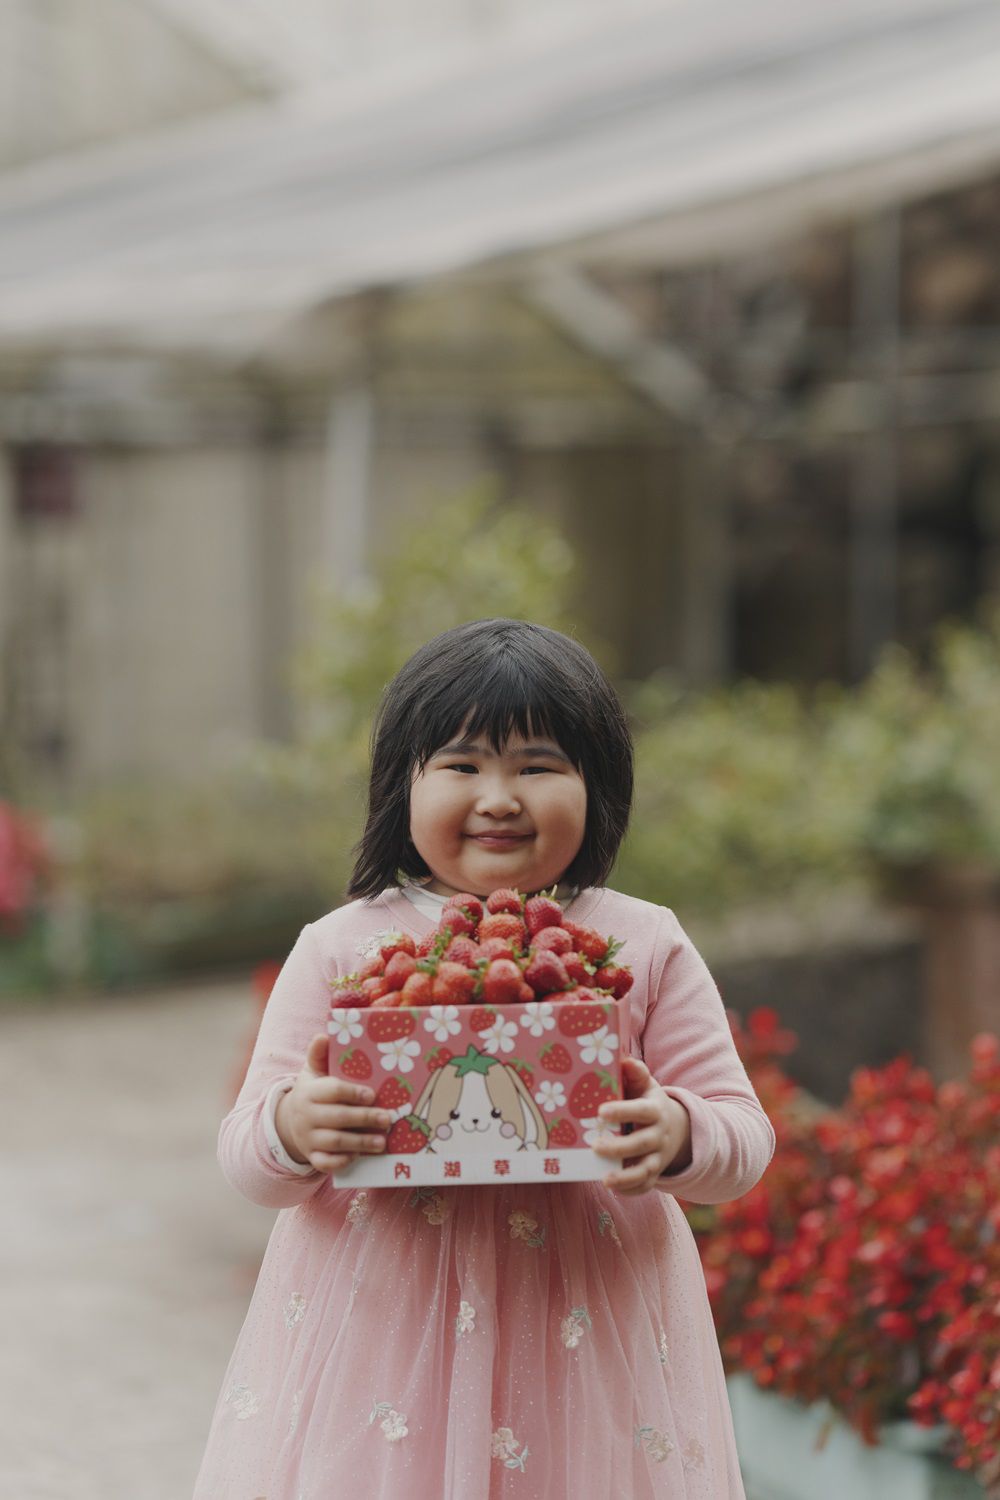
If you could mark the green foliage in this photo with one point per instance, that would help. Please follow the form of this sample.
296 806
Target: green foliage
468 559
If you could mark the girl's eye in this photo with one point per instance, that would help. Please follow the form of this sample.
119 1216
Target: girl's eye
454 1114
495 1113
465 767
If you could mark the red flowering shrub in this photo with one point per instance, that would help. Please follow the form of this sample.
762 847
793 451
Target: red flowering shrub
865 1267
23 862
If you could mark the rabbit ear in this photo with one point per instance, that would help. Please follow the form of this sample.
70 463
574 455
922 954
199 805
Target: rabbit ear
535 1130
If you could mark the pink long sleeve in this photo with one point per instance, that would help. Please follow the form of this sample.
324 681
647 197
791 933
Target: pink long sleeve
295 1013
687 1045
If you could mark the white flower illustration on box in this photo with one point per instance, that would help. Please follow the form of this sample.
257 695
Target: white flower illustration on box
598 1047
500 1036
345 1025
596 1129
551 1095
443 1021
537 1018
399 1053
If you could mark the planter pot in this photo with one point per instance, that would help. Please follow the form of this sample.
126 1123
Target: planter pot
777 1439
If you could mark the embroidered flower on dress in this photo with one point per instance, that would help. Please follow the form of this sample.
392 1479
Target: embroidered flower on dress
466 1320
598 1046
243 1401
393 1422
536 1017
524 1227
693 1454
360 1208
551 1095
345 1025
664 1351
295 1309
607 1226
505 1446
436 1208
658 1445
575 1326
443 1021
399 1053
500 1036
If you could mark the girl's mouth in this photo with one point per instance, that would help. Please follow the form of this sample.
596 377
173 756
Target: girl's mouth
499 841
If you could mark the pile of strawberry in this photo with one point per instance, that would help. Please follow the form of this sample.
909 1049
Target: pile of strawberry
503 951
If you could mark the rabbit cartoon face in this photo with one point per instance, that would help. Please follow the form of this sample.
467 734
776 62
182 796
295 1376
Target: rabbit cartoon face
476 1103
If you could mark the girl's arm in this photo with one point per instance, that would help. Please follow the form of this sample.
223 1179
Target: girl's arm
250 1154
688 1047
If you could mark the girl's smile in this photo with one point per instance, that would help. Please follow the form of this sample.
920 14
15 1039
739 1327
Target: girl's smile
481 819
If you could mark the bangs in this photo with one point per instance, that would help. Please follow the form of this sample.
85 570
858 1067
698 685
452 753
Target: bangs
516 698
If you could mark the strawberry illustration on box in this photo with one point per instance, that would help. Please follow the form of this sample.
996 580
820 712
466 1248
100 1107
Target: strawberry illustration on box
493 1045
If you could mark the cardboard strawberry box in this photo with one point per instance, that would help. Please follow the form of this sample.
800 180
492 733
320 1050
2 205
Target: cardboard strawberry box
483 1093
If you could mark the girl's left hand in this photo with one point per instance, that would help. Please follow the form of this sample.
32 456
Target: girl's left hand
660 1137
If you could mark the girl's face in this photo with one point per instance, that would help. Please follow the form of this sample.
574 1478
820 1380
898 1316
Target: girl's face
480 820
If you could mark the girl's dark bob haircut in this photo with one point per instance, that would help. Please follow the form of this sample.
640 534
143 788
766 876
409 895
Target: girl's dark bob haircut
504 677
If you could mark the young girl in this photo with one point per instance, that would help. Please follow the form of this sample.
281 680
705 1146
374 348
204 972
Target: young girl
549 1342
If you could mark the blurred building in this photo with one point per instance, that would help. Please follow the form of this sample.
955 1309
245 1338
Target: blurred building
714 285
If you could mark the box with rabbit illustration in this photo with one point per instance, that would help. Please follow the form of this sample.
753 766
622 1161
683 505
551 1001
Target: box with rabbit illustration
483 1093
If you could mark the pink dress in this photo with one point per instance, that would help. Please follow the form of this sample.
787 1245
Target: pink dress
544 1342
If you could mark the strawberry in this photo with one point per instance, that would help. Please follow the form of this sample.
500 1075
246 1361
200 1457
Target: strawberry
589 942
407 1135
554 939
453 984
456 922
555 1058
542 911
471 905
425 945
372 967
546 971
562 1133
375 988
577 967
504 924
388 1001
390 1028
354 1063
398 942
398 969
615 978
496 947
439 1058
526 994
502 982
505 899
418 989
523 1069
348 992
463 950
393 1094
589 1092
482 1018
582 1018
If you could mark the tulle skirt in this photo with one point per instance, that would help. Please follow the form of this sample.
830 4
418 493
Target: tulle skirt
539 1342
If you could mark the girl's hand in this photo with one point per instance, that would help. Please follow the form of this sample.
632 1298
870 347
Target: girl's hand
321 1119
661 1135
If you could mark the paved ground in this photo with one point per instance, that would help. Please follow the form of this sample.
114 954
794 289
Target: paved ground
126 1261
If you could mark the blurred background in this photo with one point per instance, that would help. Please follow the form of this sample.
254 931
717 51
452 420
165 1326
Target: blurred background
326 326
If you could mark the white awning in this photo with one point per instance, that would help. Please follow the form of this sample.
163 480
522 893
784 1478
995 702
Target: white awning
678 131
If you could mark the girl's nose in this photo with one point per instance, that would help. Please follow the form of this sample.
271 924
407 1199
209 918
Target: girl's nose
496 798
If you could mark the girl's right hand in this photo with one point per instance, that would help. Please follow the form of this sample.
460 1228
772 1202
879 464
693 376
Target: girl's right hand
321 1120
